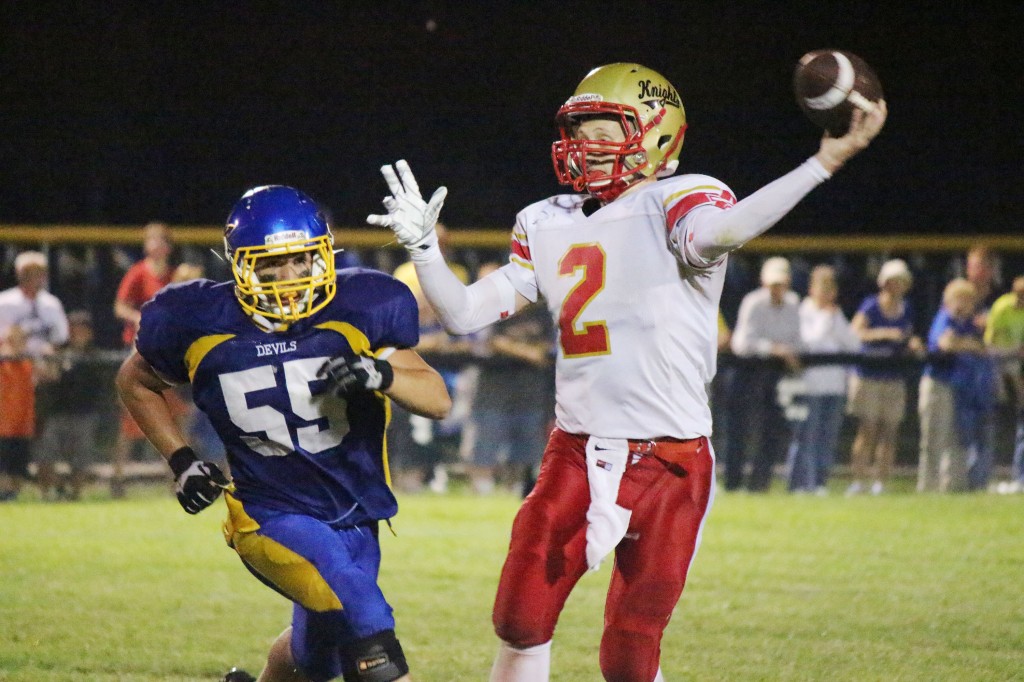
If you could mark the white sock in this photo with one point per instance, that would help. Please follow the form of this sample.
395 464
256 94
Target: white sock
532 664
659 677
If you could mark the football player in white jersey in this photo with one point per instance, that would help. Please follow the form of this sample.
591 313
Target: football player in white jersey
631 270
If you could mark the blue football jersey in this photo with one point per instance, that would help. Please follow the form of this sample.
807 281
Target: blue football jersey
290 447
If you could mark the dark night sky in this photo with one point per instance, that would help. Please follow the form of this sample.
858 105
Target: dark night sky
118 113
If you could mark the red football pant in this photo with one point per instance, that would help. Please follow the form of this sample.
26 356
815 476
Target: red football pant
669 491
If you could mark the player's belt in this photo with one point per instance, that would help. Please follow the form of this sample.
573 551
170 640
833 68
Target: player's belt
667 447
688 453
650 446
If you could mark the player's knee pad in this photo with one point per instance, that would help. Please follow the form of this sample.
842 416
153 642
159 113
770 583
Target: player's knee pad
523 614
377 658
521 633
627 656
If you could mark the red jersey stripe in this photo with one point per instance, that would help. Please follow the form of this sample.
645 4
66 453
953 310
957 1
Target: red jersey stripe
722 199
521 250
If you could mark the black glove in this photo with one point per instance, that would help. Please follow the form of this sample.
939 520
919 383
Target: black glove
346 376
197 483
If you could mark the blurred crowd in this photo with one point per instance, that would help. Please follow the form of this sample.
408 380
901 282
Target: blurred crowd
802 383
819 367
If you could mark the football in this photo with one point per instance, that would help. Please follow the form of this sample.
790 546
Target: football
828 85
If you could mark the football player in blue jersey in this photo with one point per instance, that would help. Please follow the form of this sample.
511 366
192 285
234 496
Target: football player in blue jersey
295 364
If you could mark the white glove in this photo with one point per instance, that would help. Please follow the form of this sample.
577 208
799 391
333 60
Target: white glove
411 218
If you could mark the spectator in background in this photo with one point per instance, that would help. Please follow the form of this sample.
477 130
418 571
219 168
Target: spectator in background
17 411
38 313
139 284
186 272
718 391
878 395
32 325
421 447
70 433
982 271
823 329
144 278
1004 334
508 414
768 326
954 395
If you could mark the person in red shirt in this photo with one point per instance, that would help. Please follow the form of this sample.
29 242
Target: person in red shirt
144 279
139 284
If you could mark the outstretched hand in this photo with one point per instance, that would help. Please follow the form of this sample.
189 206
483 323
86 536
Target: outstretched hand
410 217
864 127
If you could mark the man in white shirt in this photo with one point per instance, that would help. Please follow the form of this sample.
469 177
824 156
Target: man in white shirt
29 305
767 327
631 271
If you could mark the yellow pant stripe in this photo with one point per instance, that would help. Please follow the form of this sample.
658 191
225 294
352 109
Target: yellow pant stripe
292 574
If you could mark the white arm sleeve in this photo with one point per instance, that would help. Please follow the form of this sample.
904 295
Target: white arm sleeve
706 234
465 309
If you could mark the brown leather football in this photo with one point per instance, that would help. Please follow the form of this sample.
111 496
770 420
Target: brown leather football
828 85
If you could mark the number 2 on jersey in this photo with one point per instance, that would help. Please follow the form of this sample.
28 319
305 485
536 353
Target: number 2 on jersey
586 338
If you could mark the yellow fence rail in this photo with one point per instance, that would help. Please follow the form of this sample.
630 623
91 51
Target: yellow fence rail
499 239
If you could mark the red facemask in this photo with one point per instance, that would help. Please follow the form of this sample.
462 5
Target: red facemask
629 162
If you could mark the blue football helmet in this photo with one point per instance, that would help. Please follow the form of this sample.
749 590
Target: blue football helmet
270 222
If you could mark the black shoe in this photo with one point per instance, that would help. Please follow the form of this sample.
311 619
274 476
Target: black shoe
236 675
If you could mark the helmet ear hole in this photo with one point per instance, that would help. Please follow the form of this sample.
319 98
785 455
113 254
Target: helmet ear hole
664 140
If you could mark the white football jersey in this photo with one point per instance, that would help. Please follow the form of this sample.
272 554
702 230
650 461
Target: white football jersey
636 312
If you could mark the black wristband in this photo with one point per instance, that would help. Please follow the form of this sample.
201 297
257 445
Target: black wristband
181 459
387 374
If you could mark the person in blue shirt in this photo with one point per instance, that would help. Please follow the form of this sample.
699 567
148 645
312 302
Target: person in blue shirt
956 396
878 395
295 364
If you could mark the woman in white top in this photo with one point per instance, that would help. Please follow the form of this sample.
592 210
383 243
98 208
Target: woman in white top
823 329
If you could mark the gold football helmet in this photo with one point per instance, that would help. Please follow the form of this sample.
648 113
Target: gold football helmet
652 118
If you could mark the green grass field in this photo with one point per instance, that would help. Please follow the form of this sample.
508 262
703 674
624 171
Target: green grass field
898 587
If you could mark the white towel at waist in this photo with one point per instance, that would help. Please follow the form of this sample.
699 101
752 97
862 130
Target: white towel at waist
607 522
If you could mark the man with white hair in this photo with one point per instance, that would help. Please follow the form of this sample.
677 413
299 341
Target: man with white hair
32 323
768 326
38 313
